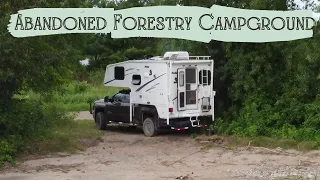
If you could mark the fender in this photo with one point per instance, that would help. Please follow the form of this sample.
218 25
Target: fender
145 109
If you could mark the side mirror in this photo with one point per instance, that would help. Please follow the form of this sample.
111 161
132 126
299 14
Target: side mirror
117 103
106 99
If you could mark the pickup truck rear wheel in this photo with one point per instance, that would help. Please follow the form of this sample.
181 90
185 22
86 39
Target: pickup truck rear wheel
100 121
149 127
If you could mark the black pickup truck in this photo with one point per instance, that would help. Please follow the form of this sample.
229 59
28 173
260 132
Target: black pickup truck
116 109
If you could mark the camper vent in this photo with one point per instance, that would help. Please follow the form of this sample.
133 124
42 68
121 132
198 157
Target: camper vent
178 55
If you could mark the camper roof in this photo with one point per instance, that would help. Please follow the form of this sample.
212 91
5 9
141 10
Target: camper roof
181 56
176 55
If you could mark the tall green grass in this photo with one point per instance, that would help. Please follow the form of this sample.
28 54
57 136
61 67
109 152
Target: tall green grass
76 95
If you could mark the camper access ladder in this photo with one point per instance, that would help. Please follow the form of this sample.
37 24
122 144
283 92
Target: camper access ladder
195 122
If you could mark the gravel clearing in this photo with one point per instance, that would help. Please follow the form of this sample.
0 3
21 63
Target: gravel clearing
127 154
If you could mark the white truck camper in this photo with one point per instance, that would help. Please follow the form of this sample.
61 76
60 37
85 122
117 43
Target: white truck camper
171 91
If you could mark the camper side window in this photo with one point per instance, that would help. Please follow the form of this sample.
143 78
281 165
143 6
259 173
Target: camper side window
136 79
119 73
205 77
181 78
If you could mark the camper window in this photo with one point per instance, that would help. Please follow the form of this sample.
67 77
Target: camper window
190 75
205 77
181 78
136 79
119 73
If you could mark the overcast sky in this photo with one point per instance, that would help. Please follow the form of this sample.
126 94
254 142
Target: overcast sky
316 15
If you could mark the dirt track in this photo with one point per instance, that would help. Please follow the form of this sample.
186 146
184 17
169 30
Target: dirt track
128 154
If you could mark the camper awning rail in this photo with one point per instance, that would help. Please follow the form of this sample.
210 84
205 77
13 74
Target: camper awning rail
190 62
199 57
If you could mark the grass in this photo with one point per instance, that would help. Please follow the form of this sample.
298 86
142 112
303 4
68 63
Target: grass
75 96
71 137
272 143
282 143
72 100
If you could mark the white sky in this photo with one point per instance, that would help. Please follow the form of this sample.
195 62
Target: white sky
316 15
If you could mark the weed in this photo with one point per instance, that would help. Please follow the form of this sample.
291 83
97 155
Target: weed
67 137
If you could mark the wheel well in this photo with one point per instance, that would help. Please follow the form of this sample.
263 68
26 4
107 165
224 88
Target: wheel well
148 111
96 111
147 115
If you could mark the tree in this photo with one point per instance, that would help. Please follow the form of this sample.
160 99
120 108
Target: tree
37 63
103 50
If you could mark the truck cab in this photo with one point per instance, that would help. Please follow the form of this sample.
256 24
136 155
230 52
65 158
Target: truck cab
112 110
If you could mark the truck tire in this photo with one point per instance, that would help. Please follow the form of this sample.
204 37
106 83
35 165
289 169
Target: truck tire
149 127
100 121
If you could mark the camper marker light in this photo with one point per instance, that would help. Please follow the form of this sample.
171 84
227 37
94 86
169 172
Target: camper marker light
209 107
170 109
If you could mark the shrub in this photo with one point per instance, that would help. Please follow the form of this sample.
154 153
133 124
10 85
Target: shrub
300 122
23 121
81 87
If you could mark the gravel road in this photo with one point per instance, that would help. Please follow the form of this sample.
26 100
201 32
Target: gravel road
127 154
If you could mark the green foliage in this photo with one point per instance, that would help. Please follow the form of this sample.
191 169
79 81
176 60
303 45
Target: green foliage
66 137
80 87
193 135
25 120
275 88
96 78
102 50
76 95
8 149
73 99
265 89
38 64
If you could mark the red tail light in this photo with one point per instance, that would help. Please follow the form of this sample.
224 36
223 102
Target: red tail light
170 109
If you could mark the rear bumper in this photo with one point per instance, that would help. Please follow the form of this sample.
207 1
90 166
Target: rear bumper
190 114
182 123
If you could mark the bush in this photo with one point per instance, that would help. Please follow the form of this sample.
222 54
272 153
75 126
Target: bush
8 148
96 77
300 122
81 87
28 120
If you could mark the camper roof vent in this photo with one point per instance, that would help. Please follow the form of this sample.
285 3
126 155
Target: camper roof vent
176 55
156 58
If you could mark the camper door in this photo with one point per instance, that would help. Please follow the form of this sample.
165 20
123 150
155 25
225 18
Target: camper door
187 88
